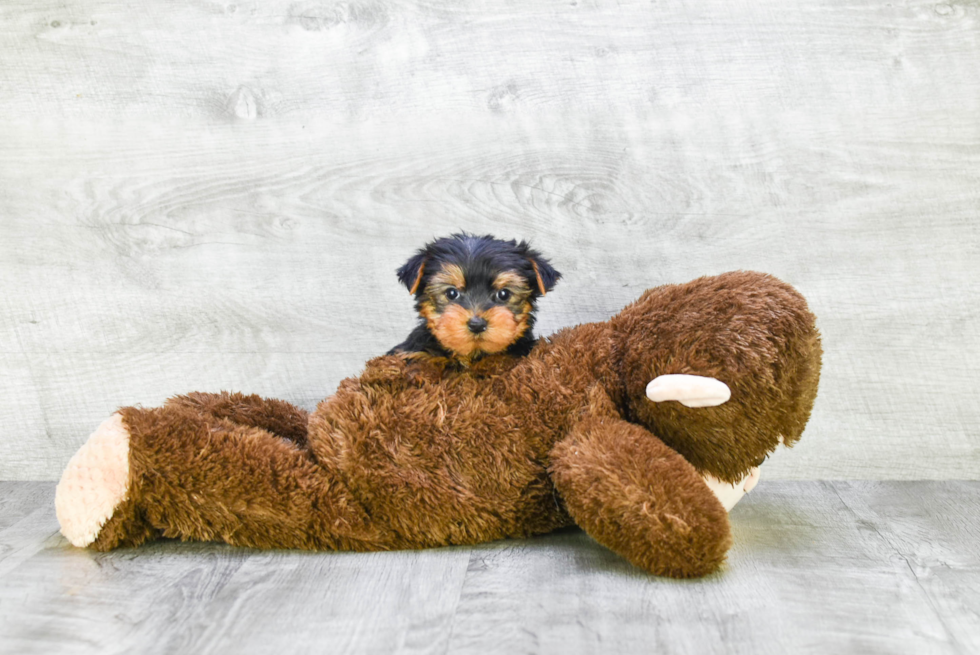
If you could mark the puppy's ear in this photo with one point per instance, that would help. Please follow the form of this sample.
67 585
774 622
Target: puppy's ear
410 274
545 275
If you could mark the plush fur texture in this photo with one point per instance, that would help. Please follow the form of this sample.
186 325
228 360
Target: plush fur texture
415 453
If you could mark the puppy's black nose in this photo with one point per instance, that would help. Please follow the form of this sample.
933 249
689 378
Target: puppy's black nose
477 324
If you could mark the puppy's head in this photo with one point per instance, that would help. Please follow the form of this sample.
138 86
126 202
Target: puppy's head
476 293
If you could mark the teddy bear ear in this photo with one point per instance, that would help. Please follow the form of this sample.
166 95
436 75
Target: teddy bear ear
410 273
544 273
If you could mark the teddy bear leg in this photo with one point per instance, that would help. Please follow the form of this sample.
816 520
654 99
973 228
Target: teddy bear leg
178 473
94 484
641 499
276 416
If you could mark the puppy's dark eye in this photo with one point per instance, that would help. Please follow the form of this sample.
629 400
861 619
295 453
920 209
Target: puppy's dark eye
503 295
452 293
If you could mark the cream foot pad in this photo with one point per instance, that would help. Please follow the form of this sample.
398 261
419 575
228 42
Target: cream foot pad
94 483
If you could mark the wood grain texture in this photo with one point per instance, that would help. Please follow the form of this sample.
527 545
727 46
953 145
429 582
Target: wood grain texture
830 567
205 195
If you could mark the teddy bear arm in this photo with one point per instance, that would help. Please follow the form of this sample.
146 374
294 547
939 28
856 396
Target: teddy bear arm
639 498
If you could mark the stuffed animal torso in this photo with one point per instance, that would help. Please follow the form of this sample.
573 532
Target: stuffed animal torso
444 456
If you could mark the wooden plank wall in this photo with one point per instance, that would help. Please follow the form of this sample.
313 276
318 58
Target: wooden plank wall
214 195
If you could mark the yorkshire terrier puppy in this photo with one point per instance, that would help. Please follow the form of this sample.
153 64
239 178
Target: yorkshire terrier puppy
475 296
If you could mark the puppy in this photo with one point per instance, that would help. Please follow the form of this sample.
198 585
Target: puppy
475 296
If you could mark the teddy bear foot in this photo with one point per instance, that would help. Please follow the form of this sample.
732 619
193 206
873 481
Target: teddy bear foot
94 483
729 494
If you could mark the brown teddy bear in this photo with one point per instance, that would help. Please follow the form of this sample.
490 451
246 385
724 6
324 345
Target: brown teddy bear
642 430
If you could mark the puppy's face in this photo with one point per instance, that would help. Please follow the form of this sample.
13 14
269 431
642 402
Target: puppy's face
477 294
480 312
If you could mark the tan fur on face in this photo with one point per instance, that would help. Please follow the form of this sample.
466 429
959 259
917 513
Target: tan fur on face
510 279
450 328
450 275
503 329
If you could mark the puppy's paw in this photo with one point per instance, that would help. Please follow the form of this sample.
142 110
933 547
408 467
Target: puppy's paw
94 483
689 390
730 494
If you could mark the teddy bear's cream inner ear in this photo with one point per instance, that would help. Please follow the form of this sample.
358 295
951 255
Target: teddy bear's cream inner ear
689 390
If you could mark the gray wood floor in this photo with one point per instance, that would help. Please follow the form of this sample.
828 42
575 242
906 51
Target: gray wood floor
835 567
